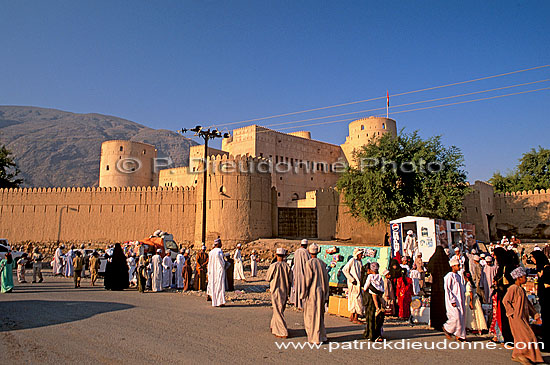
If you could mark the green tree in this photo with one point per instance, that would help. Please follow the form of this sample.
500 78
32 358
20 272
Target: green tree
8 170
405 175
532 173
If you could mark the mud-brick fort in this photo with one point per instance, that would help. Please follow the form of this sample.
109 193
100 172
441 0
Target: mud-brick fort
261 184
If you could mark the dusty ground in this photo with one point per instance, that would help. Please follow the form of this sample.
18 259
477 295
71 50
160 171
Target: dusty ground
54 323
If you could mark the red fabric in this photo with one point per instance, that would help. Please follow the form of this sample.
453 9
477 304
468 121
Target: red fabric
398 257
404 292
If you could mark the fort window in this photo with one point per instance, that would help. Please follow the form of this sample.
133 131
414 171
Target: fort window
107 168
362 127
121 149
278 194
144 152
383 125
280 177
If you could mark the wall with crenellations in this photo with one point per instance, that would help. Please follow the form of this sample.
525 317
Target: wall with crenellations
239 204
524 214
96 214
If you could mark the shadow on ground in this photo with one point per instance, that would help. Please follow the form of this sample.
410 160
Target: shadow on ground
25 314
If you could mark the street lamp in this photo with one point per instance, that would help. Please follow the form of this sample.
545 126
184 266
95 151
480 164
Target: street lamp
207 135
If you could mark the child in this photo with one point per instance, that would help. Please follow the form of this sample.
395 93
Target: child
518 310
377 282
253 264
21 262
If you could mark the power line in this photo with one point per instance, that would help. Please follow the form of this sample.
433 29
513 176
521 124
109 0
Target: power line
382 97
412 103
418 109
470 101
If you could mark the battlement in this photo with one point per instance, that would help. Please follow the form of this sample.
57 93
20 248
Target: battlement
95 189
524 193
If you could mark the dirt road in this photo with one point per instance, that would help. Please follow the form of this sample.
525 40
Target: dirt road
52 322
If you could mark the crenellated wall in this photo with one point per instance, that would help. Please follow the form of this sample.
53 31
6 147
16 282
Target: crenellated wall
524 214
96 214
239 207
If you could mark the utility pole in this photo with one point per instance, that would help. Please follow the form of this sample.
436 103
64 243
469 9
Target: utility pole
207 135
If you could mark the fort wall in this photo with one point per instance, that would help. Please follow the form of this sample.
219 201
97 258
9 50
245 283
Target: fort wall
97 215
524 214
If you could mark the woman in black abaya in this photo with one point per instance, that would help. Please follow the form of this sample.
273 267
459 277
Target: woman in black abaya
438 267
116 271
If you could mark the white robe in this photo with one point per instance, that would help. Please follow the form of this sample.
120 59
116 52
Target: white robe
410 247
180 260
58 260
69 269
352 271
131 268
216 277
156 274
454 294
238 273
253 266
167 266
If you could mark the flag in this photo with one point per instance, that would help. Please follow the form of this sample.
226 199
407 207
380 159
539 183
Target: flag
388 99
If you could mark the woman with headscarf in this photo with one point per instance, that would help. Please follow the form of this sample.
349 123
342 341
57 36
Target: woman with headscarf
404 295
438 267
396 272
500 327
142 273
116 271
6 273
543 292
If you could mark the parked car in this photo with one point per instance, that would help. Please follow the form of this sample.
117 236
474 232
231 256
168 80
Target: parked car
5 248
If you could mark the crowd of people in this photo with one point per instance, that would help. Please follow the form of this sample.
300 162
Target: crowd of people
462 281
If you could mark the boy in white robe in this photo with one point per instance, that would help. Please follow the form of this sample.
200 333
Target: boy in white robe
455 303
253 264
167 266
180 260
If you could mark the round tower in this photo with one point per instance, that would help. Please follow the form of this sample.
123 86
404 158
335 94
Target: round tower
365 130
127 163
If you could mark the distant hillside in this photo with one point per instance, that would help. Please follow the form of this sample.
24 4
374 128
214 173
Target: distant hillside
57 148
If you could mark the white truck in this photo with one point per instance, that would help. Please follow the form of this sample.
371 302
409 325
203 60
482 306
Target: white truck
5 248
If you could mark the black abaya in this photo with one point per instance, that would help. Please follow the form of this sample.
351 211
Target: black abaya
438 267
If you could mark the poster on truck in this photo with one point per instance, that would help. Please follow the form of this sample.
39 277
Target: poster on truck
426 238
396 239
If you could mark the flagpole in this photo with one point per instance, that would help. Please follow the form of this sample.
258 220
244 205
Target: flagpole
387 104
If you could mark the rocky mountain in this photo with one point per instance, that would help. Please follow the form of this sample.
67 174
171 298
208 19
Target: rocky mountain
58 148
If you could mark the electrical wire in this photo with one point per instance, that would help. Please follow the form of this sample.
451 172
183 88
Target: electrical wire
412 103
417 109
382 97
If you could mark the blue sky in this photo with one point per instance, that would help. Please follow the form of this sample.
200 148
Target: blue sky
173 64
